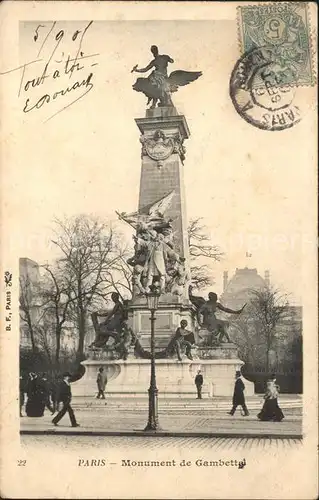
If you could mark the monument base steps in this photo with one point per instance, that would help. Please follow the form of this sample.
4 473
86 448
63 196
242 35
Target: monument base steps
175 379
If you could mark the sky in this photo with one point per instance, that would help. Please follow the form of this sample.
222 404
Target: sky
254 189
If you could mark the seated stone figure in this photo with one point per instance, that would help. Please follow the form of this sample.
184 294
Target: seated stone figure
182 339
217 327
111 326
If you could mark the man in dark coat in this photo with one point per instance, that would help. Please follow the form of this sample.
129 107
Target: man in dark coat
65 397
199 384
45 391
54 391
35 404
238 397
101 381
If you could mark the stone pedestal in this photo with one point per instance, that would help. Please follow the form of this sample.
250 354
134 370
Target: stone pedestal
222 351
175 379
168 318
131 378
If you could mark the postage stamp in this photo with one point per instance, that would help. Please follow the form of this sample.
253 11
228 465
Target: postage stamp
285 28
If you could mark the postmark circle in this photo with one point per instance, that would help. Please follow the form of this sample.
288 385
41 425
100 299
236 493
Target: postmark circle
263 90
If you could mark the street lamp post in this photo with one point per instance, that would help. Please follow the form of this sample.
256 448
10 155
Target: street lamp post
152 424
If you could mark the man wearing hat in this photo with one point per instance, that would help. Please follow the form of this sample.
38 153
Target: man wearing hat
239 397
199 380
65 397
101 381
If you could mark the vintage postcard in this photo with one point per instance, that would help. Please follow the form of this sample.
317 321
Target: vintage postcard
159 250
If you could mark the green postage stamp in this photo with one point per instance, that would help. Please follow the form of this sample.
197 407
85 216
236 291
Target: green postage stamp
283 28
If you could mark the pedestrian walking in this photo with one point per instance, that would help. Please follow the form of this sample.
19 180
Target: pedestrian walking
54 392
199 380
35 404
239 397
101 383
271 410
45 391
65 396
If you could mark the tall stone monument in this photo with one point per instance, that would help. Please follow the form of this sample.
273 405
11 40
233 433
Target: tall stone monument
163 133
161 259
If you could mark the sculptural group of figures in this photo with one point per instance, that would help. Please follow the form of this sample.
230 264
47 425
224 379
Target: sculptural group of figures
155 259
115 327
206 317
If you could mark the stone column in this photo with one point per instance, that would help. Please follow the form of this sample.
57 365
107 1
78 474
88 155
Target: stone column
163 132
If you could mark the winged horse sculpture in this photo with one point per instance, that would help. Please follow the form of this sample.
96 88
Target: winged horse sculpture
158 86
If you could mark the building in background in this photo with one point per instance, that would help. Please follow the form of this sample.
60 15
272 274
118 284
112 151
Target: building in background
29 278
286 351
237 290
29 268
36 315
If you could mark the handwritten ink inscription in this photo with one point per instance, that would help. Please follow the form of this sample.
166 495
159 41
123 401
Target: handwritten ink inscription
60 72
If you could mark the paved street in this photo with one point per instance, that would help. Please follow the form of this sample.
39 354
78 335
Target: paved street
36 442
181 405
107 421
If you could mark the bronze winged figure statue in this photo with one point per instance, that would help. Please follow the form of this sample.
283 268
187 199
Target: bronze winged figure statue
158 86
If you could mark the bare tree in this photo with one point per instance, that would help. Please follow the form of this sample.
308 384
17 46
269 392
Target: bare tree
30 310
244 334
87 246
201 250
119 277
201 276
268 308
26 306
44 340
57 295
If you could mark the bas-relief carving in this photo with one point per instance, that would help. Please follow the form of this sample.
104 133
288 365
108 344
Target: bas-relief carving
160 147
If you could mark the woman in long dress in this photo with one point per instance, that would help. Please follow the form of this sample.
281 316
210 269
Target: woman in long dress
271 410
36 402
